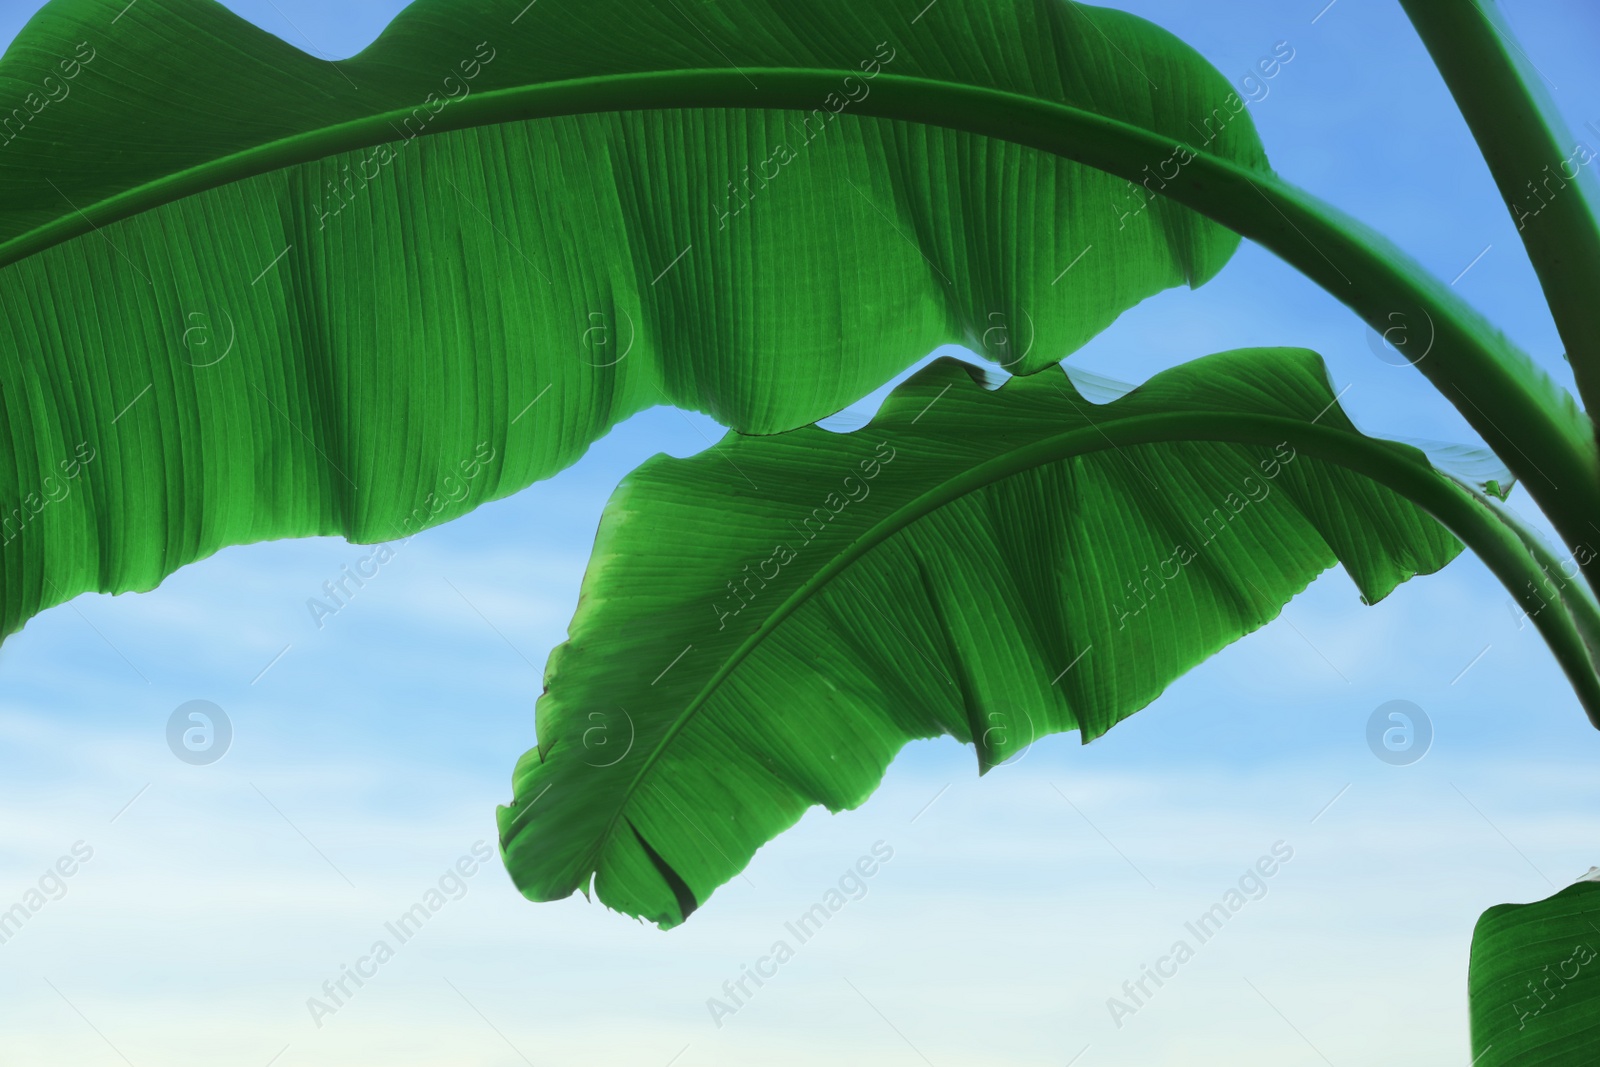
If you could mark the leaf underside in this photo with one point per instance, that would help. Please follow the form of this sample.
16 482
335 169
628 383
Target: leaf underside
763 626
1534 981
332 344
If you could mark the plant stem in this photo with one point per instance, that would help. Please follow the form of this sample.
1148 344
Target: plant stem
1535 163
1585 611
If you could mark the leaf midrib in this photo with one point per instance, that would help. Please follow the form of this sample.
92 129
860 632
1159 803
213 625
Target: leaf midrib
786 89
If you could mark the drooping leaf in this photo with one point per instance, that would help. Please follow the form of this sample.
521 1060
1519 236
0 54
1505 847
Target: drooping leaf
1534 980
250 294
764 625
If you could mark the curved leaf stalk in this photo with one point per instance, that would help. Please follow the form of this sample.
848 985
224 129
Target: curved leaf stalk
1545 177
1558 584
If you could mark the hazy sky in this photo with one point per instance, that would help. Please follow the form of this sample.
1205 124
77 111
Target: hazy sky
367 761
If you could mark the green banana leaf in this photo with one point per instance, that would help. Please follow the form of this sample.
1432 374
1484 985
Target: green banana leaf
764 625
250 294
1534 981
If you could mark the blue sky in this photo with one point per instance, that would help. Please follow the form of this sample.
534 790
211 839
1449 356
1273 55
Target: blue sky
368 759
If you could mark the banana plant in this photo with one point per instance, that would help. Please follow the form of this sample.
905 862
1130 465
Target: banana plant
251 294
